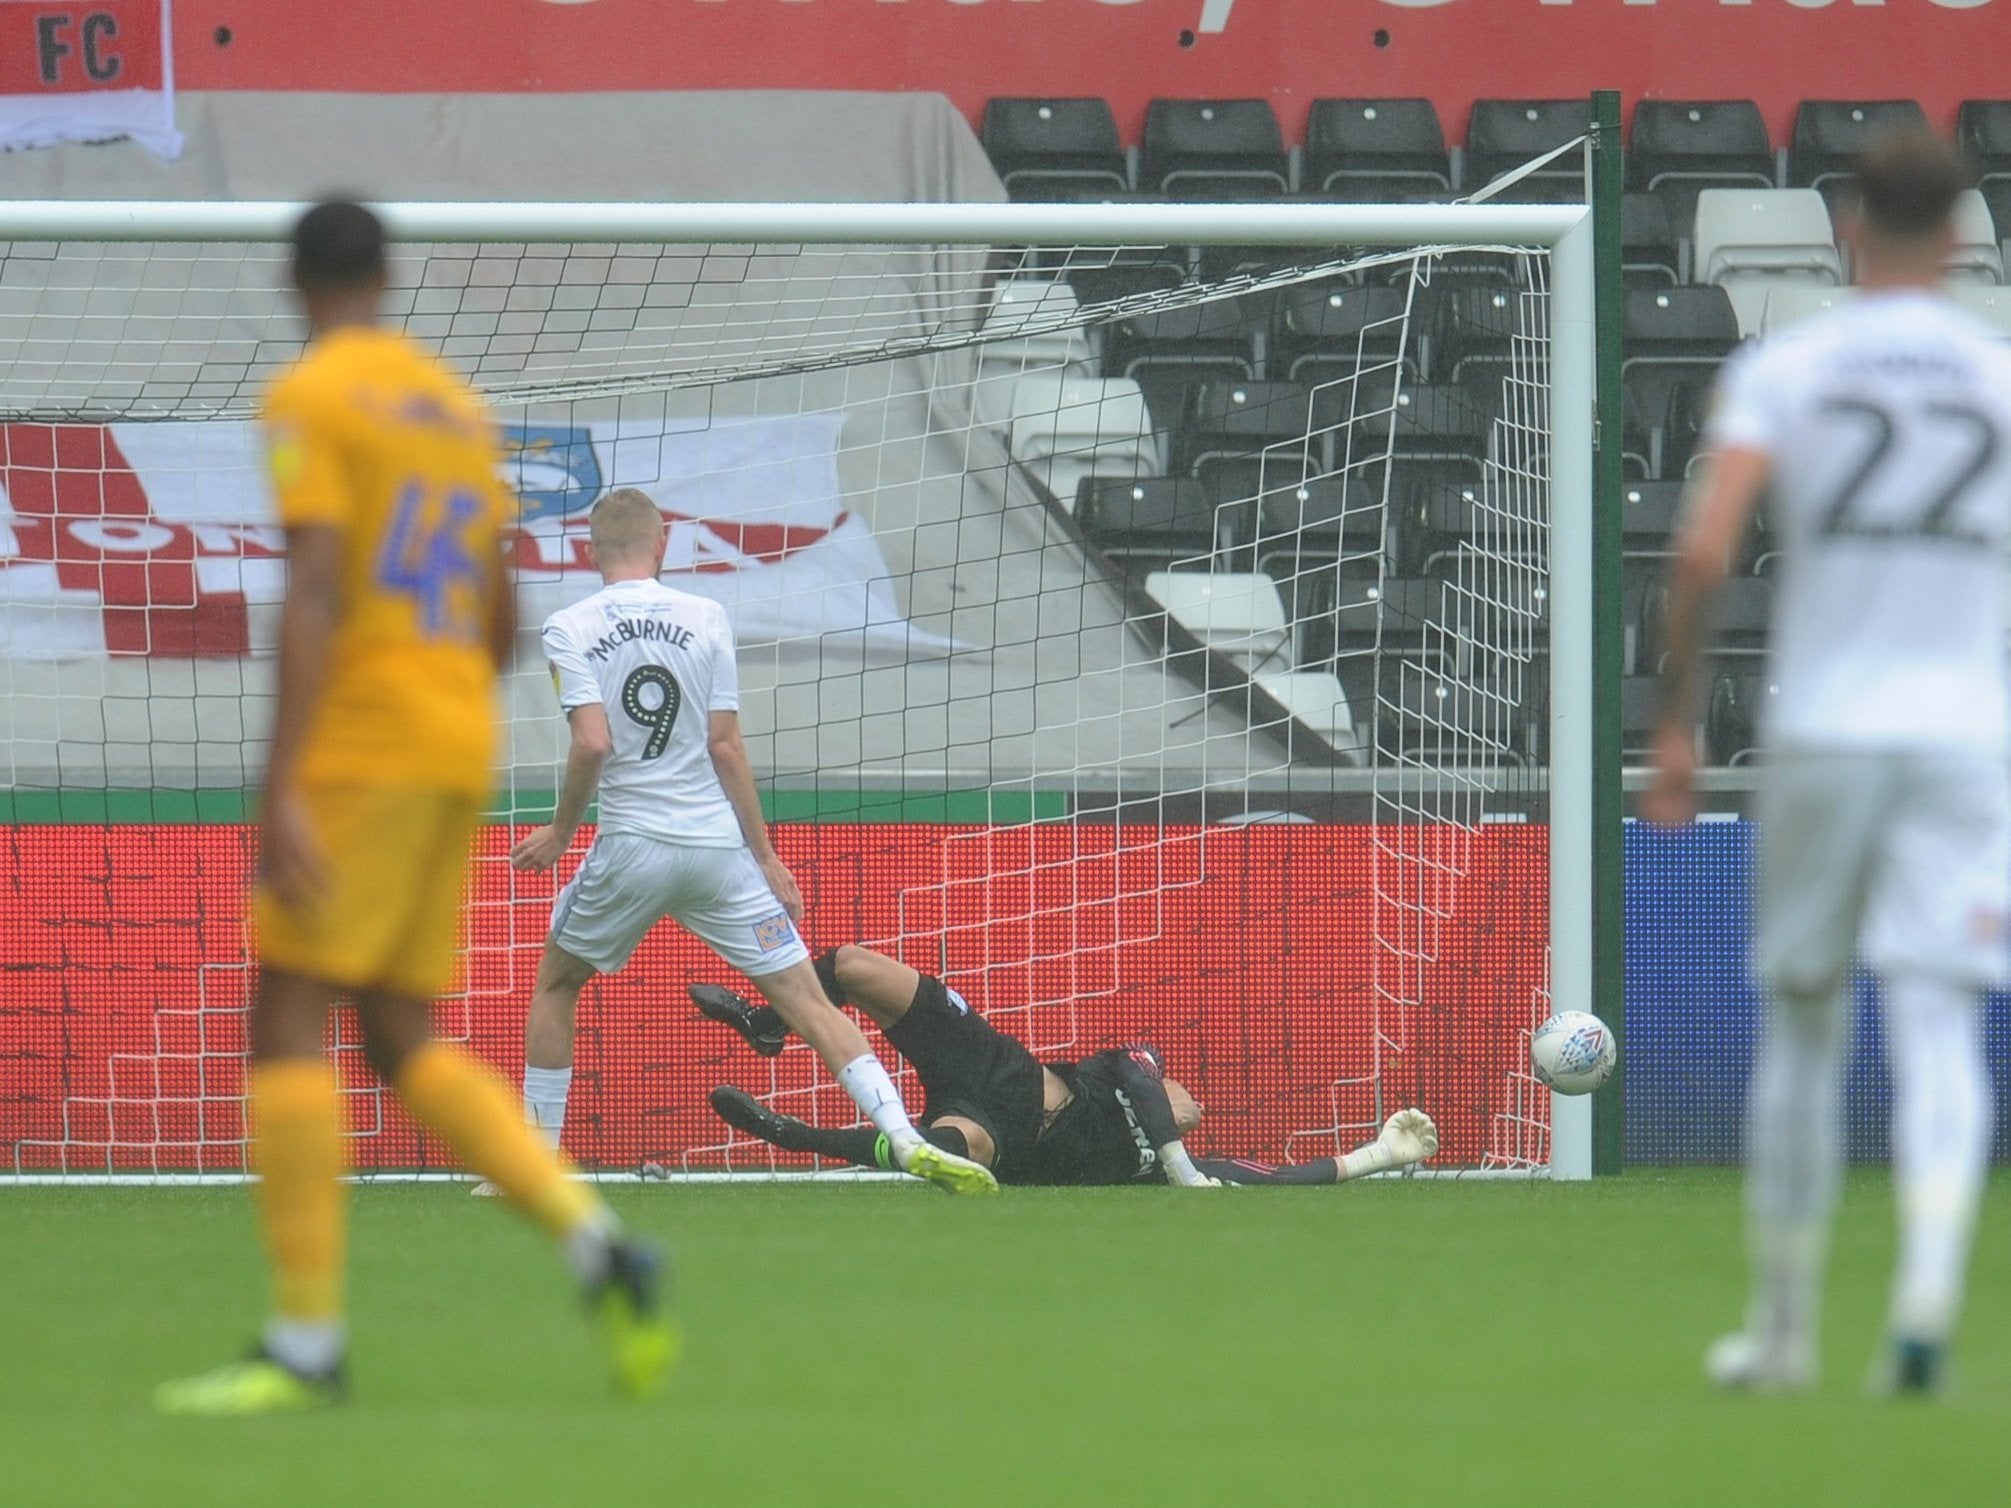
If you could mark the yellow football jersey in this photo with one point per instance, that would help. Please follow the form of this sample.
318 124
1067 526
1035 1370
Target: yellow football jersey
371 436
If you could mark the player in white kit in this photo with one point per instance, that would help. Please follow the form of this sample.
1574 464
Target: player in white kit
648 683
1881 433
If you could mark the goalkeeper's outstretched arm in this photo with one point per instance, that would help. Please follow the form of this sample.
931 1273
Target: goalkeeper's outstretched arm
1407 1138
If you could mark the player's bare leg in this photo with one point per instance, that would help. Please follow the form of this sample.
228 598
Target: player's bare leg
548 1039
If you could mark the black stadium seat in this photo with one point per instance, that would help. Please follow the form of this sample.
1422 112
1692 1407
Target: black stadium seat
1505 134
1157 519
1830 134
1648 515
1328 331
1213 149
1055 148
1648 241
1376 150
1680 147
1689 327
1983 130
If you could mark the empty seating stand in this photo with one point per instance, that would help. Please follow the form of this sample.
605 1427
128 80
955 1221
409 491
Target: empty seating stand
1213 149
1055 148
1830 135
1506 134
1376 150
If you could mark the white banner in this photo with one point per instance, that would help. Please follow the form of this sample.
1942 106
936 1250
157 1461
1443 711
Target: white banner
159 539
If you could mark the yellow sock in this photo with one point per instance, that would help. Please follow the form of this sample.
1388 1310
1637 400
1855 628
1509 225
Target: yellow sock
472 1111
302 1207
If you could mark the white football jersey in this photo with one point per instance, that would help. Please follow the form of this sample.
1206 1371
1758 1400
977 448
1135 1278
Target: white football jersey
1888 421
660 662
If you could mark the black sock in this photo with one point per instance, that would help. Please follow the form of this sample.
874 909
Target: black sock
862 1145
949 1138
827 975
1242 1170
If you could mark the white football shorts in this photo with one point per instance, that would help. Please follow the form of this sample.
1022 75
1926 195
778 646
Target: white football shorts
628 883
1900 858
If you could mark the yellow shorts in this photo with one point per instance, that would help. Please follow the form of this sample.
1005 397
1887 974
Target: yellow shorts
396 861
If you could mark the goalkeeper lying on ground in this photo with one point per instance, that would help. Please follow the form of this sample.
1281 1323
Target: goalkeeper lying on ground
1112 1118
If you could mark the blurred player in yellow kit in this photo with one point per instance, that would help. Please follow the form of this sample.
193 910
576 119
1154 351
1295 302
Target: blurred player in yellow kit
398 613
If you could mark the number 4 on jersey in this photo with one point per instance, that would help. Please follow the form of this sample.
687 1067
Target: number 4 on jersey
426 557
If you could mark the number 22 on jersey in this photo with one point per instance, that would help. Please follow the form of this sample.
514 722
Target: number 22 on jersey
428 556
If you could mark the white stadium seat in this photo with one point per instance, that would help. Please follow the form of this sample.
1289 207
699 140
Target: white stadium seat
1239 614
1753 241
1066 428
1317 699
1791 305
1977 258
1031 327
1991 305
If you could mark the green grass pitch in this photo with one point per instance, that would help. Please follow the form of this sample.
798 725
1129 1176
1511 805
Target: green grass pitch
1401 1343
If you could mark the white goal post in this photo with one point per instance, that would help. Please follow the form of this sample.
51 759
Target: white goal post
1563 233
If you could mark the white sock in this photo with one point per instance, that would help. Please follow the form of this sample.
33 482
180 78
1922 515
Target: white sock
545 1092
586 1245
1794 1162
865 1079
1942 1114
312 1347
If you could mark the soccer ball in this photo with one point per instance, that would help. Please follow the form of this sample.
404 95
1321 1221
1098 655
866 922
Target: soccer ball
1573 1052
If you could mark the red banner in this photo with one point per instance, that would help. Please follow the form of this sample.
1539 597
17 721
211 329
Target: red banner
47 47
1247 953
1129 51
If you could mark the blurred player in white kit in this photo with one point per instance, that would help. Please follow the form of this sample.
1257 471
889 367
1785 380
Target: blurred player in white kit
1881 433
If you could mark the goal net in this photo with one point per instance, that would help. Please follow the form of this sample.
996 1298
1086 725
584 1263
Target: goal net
1144 618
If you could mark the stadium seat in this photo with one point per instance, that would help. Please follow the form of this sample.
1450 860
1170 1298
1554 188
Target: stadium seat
1503 135
1305 534
1648 515
1640 716
1328 332
1673 337
1160 519
1829 136
1376 150
1736 714
1031 328
1681 147
1241 420
1317 699
1983 130
1436 423
1054 148
1441 717
1474 334
1664 410
1991 305
1213 149
1742 612
1751 241
1977 257
1650 250
1434 520
1394 614
1066 428
1101 274
1165 351
1239 614
1790 306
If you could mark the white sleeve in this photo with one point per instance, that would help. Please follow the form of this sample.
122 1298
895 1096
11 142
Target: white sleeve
1746 408
572 677
725 668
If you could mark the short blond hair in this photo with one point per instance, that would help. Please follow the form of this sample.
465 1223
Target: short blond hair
624 524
